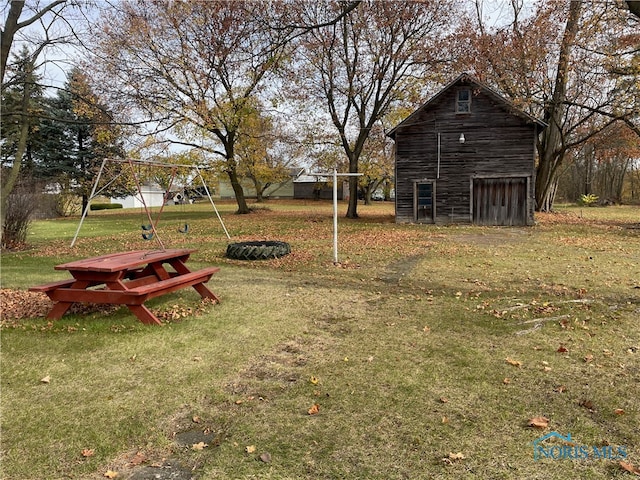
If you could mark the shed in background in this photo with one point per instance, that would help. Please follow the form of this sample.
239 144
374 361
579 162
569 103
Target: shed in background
466 156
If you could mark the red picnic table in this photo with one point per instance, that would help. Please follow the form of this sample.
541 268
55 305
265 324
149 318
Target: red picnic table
126 278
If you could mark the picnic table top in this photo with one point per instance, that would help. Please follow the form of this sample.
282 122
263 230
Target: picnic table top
114 262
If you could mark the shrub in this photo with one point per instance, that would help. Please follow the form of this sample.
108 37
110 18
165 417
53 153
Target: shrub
105 206
21 204
588 200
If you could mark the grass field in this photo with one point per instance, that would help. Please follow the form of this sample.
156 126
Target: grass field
425 353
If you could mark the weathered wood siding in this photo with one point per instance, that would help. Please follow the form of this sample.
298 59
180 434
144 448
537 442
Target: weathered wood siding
498 144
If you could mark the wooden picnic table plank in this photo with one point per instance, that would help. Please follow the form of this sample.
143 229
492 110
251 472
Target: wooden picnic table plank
125 260
127 278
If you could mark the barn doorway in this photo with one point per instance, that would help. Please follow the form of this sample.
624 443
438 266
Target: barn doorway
500 201
423 208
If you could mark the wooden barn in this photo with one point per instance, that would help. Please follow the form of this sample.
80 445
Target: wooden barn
466 156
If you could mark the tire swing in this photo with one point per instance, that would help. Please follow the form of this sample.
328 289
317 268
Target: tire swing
258 250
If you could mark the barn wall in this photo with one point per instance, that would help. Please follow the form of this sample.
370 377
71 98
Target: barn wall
497 143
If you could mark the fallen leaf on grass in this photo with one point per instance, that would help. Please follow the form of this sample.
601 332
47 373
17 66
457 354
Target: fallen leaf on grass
199 446
588 404
506 380
196 419
515 363
265 457
314 380
588 358
250 449
453 457
110 474
538 422
138 459
562 349
560 389
88 452
46 379
630 468
315 408
618 411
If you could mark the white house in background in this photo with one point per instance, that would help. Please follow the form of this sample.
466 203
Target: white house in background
153 197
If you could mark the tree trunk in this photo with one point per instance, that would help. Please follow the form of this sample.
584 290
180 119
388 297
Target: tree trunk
8 32
259 190
243 208
551 147
352 210
9 181
589 161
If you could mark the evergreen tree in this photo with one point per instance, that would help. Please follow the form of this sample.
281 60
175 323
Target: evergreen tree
13 116
78 135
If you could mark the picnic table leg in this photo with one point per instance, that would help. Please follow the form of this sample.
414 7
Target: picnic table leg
144 314
204 292
60 308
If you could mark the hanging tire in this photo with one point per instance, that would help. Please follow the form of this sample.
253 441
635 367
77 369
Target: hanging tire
259 250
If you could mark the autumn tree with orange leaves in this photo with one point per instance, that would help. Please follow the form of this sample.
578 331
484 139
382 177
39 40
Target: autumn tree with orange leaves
569 63
190 69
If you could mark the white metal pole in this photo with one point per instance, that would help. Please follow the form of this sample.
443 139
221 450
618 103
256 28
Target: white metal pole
335 205
206 189
86 209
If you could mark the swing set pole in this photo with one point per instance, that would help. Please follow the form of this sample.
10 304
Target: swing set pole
86 209
206 189
139 188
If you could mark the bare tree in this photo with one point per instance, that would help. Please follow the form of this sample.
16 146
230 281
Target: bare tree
560 64
367 61
190 68
14 23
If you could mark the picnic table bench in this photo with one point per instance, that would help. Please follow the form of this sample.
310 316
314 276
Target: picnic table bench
126 278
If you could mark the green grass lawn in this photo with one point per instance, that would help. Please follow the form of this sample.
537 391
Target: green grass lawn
424 353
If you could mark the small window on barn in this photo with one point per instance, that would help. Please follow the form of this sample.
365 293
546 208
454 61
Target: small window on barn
463 101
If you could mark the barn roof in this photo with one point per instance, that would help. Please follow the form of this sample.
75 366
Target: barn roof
467 79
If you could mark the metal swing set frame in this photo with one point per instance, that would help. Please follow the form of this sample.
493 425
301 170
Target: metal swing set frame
149 231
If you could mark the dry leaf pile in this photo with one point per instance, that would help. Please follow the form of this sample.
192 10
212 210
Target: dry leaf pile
19 304
16 305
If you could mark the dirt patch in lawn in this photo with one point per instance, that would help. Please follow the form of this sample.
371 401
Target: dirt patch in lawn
168 470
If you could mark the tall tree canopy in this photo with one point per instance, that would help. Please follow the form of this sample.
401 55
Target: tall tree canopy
191 68
568 63
363 64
